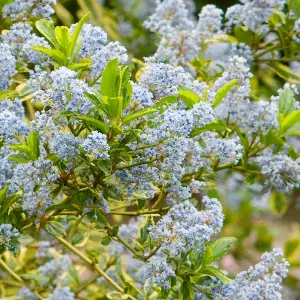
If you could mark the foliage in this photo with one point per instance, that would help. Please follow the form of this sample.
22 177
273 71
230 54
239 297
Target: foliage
111 176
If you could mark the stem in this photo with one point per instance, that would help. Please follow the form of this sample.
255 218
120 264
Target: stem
273 47
10 271
94 277
17 277
139 213
89 262
136 164
122 241
152 253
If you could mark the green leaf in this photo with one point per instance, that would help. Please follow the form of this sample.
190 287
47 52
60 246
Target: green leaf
293 130
74 273
188 96
218 125
20 158
138 114
94 123
57 55
21 148
115 230
5 2
286 102
272 138
243 35
60 207
285 72
46 28
55 228
34 140
62 34
7 94
290 247
165 101
195 257
186 291
80 238
223 91
109 78
215 272
296 7
75 35
278 203
83 66
35 277
290 120
221 246
3 193
114 105
106 240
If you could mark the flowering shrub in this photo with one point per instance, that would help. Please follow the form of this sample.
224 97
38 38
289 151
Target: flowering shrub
107 179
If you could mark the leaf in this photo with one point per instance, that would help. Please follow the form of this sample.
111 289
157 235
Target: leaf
218 125
60 207
293 130
80 239
215 272
109 78
165 101
75 35
186 291
34 140
46 28
3 193
243 35
55 228
285 72
291 247
7 94
57 55
95 124
296 7
5 2
35 277
188 96
20 158
83 66
223 91
272 138
286 102
114 105
106 240
62 34
138 114
290 120
221 246
278 203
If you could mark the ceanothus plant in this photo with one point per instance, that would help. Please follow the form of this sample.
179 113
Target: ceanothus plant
105 177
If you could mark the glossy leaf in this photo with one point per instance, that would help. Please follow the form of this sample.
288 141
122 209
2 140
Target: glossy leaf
109 78
285 72
138 114
75 34
223 91
221 246
188 97
46 28
218 125
286 102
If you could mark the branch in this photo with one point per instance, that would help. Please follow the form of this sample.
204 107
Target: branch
89 262
17 277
